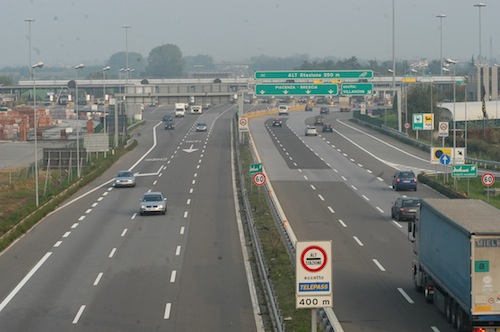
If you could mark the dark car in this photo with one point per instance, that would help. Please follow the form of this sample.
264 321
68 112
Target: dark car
327 128
168 117
308 108
324 110
277 123
201 126
169 125
404 180
319 120
405 208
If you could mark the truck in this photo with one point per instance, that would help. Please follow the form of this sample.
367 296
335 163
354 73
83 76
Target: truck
345 104
180 109
456 260
196 109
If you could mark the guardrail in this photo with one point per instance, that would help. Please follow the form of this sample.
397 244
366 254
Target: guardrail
421 145
326 316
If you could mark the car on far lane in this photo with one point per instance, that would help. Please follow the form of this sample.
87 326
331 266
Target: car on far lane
327 128
308 108
404 180
319 120
168 117
405 208
277 123
201 126
311 131
282 110
169 125
124 179
324 110
153 202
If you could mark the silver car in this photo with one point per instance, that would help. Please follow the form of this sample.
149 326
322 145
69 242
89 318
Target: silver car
201 126
153 202
124 179
311 131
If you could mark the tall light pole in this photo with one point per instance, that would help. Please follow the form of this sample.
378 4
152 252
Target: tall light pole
33 67
126 27
479 6
104 93
454 63
393 52
29 20
441 16
78 171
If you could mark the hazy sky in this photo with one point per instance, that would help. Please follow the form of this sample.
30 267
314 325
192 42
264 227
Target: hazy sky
69 32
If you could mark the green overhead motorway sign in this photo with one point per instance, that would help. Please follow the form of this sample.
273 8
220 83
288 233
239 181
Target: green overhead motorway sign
313 74
296 89
357 89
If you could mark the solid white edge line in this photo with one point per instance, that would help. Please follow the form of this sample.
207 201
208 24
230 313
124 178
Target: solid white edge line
168 307
24 281
248 269
78 314
406 296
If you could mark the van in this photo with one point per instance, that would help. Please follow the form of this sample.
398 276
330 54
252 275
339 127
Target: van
283 110
196 109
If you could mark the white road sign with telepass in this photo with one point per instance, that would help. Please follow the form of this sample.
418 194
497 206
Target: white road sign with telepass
314 274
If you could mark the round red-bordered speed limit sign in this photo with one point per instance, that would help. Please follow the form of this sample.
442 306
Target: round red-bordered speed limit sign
259 179
488 179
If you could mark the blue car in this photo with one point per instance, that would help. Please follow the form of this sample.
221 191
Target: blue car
404 180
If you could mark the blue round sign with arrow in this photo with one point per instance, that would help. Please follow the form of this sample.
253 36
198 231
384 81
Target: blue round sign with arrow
444 159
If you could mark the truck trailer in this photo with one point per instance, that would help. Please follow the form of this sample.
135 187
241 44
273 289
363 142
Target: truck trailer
345 104
456 261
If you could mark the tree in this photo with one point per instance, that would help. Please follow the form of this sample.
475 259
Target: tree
199 62
165 61
6 80
118 61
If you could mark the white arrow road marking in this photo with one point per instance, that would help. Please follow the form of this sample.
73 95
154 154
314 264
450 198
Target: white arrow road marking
190 149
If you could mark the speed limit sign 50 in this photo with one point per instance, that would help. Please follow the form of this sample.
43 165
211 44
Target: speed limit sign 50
259 179
488 179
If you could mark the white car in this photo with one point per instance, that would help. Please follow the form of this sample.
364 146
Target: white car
283 110
311 131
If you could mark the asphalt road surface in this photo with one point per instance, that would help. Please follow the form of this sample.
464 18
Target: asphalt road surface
96 265
336 186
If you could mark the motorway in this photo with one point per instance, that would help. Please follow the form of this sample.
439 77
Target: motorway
336 186
94 264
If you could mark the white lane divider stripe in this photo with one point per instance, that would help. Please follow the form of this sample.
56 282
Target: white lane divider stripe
406 296
96 281
378 265
78 314
358 241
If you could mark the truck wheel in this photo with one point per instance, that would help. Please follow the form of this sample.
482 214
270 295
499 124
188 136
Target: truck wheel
418 288
455 312
459 320
429 298
448 306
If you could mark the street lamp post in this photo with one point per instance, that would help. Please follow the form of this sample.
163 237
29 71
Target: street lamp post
441 16
29 20
78 171
479 6
126 27
454 63
33 67
104 93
